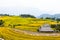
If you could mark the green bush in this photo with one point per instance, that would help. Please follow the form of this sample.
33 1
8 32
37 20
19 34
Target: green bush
27 15
58 27
53 25
1 22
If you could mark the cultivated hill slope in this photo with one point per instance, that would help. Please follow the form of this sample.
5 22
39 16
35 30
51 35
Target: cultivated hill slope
10 34
31 24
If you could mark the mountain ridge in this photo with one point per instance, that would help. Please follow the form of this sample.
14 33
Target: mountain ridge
49 15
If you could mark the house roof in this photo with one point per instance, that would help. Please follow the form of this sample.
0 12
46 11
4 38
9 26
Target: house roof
46 27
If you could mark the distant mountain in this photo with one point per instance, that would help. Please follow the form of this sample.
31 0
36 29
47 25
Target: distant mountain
44 15
48 15
56 15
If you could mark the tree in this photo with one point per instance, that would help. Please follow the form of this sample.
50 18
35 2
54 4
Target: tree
4 14
57 19
41 18
53 25
27 15
58 27
53 18
1 22
47 18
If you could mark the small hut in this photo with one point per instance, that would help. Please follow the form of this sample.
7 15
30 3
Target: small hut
46 28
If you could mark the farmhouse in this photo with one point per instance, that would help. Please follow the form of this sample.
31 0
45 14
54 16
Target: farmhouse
46 28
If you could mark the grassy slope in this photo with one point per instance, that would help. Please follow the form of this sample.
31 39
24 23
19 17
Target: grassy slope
30 24
9 34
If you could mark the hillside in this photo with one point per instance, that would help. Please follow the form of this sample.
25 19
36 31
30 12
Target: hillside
31 25
10 34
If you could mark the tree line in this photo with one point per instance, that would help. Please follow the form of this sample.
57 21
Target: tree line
22 15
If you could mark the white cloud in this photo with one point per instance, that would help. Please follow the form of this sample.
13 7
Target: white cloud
45 6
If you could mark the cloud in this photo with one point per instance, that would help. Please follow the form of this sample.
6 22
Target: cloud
44 6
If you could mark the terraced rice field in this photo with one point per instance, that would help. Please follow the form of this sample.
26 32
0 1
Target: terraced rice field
17 28
11 34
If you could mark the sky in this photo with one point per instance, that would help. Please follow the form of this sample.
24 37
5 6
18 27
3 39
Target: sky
33 7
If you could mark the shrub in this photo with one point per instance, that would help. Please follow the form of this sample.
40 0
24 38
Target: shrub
1 22
53 25
58 27
16 25
47 18
27 15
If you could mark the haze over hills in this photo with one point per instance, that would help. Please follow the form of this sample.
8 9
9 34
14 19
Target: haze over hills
49 15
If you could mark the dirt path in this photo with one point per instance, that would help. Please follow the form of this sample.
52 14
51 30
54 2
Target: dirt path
36 33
